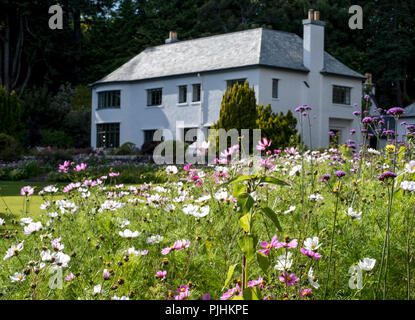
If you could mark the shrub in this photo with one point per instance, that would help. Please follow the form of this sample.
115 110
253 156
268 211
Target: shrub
57 139
9 148
148 147
10 111
279 128
126 149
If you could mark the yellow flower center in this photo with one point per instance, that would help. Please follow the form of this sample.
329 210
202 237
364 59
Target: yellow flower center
20 277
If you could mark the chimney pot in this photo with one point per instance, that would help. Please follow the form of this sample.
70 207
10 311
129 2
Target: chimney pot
317 15
172 37
311 14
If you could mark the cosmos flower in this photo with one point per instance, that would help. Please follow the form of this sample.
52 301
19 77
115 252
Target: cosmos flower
367 264
171 170
27 191
13 250
268 246
311 254
18 277
354 214
161 274
127 233
263 145
313 280
254 283
288 279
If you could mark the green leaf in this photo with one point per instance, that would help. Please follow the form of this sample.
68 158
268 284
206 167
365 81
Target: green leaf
251 294
245 222
273 180
229 276
273 216
263 262
239 179
245 202
247 244
238 189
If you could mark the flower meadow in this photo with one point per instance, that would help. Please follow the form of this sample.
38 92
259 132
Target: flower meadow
290 225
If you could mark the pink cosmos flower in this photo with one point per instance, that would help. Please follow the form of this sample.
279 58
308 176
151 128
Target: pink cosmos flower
267 246
262 146
106 274
161 274
183 293
311 253
232 292
305 293
178 245
65 166
114 174
70 277
80 167
290 280
27 191
290 245
187 167
255 283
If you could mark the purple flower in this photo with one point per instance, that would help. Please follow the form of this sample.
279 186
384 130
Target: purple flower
340 174
367 97
324 178
290 280
387 175
357 113
367 120
396 111
267 246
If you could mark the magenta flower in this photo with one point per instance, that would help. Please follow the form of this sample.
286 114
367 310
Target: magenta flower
114 174
187 167
70 277
340 174
255 283
80 167
232 292
311 253
161 274
305 293
262 146
64 167
289 280
178 245
387 175
290 245
27 191
267 246
396 111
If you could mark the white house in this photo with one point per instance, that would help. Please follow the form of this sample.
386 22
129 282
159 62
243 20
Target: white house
185 81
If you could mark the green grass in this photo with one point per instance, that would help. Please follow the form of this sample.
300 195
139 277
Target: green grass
11 202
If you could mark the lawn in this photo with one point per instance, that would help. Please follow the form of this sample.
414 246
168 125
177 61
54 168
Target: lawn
11 202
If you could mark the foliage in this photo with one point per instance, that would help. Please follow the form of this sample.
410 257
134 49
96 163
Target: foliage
10 111
279 128
10 149
127 148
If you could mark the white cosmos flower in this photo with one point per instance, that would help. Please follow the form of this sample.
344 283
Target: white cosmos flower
18 277
410 166
66 206
221 195
316 197
313 283
45 255
367 264
294 170
45 205
97 289
197 212
24 221
311 243
127 233
170 207
292 208
110 205
32 227
408 185
284 262
50 189
204 198
2 222
61 259
120 298
53 214
154 239
354 214
13 250
171 170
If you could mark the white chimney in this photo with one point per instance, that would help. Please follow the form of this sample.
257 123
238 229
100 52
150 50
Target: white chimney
172 37
313 41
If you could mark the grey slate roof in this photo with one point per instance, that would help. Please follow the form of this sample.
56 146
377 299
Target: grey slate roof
247 48
409 111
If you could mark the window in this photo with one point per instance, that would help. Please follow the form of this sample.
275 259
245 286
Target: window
275 88
154 97
341 95
109 99
182 94
196 92
108 135
231 83
148 135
